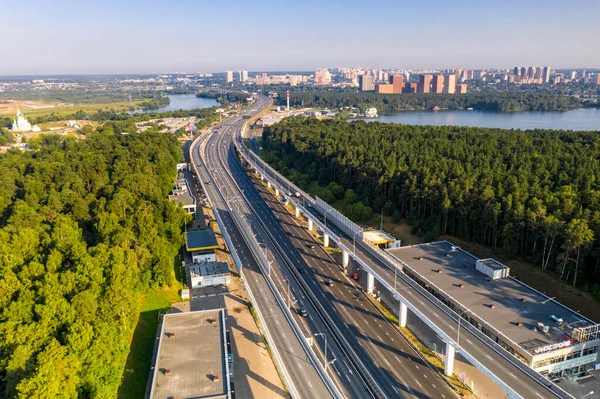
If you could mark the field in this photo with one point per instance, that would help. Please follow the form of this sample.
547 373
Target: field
33 109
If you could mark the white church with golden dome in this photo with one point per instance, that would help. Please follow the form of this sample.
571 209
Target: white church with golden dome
21 124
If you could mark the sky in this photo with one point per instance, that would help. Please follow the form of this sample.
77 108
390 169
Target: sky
42 37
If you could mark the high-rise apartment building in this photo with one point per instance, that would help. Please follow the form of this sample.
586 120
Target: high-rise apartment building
243 76
229 76
398 82
598 78
450 84
461 89
546 74
517 72
523 73
322 77
365 83
384 88
424 84
437 85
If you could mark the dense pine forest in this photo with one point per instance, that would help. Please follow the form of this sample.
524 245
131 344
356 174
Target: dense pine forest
85 229
498 102
531 194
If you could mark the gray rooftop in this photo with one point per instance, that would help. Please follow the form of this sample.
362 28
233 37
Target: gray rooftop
458 267
181 193
192 349
209 269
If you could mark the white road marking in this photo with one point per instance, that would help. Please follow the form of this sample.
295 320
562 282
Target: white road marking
419 383
539 395
425 376
513 376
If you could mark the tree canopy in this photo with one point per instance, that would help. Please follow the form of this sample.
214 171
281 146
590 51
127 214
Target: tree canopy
532 194
499 102
85 228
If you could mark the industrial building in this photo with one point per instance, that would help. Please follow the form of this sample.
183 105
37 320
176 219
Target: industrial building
208 274
548 336
194 358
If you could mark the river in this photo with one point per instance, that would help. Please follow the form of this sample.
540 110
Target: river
578 119
182 101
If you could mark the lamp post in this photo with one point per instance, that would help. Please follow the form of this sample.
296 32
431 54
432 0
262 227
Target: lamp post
266 253
458 331
587 394
325 362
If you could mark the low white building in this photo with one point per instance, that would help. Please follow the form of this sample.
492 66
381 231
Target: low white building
204 256
209 274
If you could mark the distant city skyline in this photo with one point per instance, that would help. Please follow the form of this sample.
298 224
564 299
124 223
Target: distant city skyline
69 37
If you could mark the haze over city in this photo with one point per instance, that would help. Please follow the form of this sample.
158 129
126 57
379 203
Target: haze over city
73 37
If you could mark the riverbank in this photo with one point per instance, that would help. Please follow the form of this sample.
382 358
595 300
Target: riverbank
578 120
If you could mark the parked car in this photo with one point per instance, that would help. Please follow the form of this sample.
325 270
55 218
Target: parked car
311 246
303 312
329 283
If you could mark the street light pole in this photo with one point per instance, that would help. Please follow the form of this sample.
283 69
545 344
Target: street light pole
325 363
587 394
458 331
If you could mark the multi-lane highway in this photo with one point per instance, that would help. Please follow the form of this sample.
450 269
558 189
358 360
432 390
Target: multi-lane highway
389 361
393 363
302 377
525 383
340 368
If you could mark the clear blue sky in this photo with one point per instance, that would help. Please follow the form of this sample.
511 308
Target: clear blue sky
109 36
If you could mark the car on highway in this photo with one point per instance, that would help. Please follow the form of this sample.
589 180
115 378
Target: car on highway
329 283
303 312
301 270
311 246
207 183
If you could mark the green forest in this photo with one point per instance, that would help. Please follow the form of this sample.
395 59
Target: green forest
497 102
531 194
85 229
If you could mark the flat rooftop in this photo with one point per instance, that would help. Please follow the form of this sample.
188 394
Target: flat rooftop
200 240
378 237
192 349
209 269
479 292
181 193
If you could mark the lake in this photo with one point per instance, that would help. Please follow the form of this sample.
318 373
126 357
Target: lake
182 101
578 119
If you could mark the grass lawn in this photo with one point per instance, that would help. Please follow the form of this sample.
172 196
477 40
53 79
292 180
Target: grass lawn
63 109
137 367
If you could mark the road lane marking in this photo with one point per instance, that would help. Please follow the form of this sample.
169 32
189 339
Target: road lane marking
425 376
539 395
419 383
513 376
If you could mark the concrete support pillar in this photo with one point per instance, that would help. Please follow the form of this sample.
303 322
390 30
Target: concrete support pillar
325 240
370 283
345 258
269 184
297 212
402 314
276 192
449 366
310 224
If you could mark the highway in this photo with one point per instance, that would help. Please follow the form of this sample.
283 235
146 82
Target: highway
509 371
298 366
397 368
